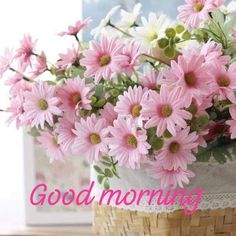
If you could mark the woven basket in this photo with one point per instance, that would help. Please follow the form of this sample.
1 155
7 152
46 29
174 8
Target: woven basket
110 221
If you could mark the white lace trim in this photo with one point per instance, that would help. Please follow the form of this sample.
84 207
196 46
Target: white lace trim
208 202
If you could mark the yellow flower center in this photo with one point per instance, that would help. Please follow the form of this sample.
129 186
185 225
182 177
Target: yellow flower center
223 81
198 6
174 147
166 110
76 98
152 37
190 79
135 111
132 141
104 60
95 139
42 104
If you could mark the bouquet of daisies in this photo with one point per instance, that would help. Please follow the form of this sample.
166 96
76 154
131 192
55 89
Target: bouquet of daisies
144 90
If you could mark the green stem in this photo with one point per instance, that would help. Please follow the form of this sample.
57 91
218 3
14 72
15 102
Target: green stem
23 76
154 58
120 30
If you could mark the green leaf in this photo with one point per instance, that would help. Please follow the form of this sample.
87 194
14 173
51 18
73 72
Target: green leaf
98 169
99 90
115 173
234 150
108 164
218 17
107 159
219 156
108 173
204 156
100 178
106 184
34 132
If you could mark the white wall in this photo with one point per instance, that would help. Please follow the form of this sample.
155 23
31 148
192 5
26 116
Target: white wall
42 19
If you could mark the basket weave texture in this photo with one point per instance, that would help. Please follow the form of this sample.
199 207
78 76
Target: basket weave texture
111 221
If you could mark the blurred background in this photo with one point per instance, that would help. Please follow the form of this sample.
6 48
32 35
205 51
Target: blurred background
43 20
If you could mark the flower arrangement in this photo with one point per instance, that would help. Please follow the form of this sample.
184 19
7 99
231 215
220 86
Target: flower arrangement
147 90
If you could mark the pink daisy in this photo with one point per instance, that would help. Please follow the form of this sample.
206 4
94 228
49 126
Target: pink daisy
192 75
108 113
150 80
232 123
74 94
169 178
66 136
75 29
5 61
195 12
49 143
41 104
177 151
165 110
132 51
16 110
224 82
25 52
127 143
91 138
129 104
103 59
68 59
41 65
200 109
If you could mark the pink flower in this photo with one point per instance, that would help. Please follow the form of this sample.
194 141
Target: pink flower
79 25
16 110
41 65
103 59
25 51
170 177
232 123
108 113
192 75
200 109
129 104
128 144
151 79
165 110
218 3
49 142
74 94
5 61
41 104
177 151
212 52
132 51
195 12
224 82
234 36
68 59
91 138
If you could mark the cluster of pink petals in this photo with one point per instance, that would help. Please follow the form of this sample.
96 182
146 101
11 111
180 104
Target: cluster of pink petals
151 79
195 12
5 61
232 123
75 29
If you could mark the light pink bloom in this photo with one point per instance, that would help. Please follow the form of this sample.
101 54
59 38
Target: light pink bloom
68 59
234 36
195 12
66 136
79 25
103 60
170 177
108 113
132 51
74 94
177 150
128 144
24 53
192 75
48 142
165 110
5 61
232 123
41 104
41 65
150 80
129 104
200 109
212 52
16 110
224 82
218 3
91 138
